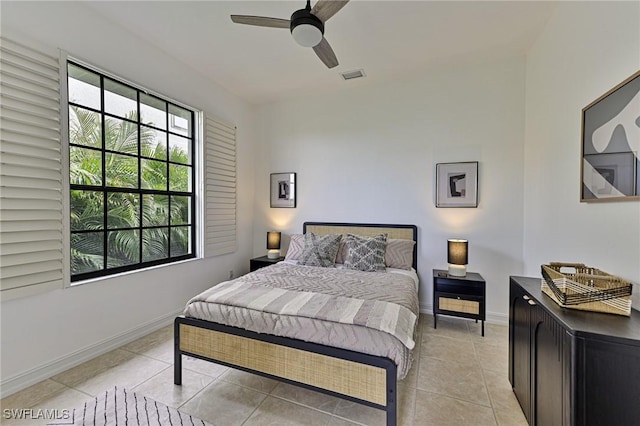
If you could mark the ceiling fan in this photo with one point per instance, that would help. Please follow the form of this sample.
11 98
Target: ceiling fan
306 26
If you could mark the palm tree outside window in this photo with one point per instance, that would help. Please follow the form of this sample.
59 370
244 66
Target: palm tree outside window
131 172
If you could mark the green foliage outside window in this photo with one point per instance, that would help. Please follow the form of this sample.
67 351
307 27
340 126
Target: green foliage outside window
138 223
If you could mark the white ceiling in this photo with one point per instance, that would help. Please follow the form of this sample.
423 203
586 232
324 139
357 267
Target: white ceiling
388 39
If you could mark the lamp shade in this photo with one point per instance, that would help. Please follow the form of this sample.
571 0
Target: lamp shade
457 252
273 240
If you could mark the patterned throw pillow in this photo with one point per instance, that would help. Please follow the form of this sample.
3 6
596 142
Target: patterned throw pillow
320 250
296 245
366 254
399 253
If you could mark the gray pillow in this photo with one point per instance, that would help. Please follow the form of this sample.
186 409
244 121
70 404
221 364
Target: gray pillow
366 254
399 253
320 250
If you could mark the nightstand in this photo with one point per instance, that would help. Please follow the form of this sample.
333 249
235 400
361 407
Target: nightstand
459 296
262 261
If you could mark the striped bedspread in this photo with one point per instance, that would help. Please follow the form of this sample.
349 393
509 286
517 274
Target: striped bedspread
326 294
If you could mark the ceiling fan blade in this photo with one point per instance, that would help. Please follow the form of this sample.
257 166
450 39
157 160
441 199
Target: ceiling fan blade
261 21
325 53
325 9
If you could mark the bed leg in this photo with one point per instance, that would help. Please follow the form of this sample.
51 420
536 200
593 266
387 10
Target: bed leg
177 355
392 396
391 413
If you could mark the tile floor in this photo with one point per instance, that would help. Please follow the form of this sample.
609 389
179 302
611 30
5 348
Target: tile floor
458 378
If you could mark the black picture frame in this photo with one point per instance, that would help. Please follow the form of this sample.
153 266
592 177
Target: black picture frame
610 150
283 190
457 184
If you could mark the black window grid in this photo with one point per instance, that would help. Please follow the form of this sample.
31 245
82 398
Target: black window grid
104 189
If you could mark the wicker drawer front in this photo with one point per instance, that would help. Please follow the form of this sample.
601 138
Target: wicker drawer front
459 305
357 380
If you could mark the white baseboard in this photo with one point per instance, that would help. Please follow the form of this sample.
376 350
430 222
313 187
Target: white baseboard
492 317
426 309
31 377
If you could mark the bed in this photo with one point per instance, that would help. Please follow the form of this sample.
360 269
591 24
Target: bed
366 374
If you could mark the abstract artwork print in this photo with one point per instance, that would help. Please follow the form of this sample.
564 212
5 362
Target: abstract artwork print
611 144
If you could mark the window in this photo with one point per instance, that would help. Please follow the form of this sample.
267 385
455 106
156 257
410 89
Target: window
131 175
133 160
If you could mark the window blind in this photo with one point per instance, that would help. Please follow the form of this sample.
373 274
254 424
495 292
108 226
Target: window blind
220 188
31 229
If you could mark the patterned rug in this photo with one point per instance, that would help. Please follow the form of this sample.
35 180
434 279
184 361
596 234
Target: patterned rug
120 406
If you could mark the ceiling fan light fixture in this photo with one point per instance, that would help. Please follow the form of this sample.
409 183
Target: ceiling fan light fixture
307 35
306 26
306 29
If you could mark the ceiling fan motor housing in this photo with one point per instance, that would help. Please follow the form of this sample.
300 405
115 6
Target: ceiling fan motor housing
306 29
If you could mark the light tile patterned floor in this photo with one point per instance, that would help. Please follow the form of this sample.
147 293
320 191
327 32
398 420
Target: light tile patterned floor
458 378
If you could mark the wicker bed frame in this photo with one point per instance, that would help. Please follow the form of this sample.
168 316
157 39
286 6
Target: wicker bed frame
362 378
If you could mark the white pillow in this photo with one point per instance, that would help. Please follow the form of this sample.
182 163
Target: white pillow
296 245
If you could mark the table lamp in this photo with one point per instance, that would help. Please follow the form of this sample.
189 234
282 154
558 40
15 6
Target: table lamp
457 257
273 244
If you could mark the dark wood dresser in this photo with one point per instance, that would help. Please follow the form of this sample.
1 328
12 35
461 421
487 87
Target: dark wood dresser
570 367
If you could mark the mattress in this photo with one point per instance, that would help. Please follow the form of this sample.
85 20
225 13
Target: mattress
368 312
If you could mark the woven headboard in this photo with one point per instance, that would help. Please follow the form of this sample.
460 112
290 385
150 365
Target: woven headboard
405 232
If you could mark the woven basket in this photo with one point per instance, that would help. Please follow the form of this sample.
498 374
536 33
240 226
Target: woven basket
576 286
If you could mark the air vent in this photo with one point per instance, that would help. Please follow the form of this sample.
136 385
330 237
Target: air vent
350 75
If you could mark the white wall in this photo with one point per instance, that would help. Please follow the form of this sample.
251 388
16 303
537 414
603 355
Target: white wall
368 155
44 333
586 49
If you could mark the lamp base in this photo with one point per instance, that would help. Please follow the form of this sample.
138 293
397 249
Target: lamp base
457 270
273 254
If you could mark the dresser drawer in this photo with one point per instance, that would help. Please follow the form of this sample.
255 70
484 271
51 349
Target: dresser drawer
459 305
450 286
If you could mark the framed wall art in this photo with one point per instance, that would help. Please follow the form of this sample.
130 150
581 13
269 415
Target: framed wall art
283 190
457 184
610 145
